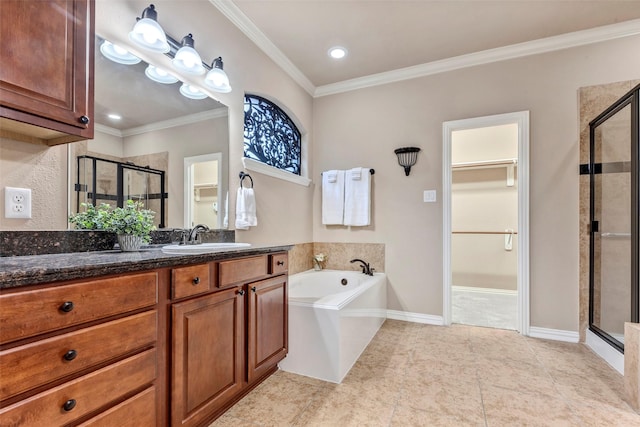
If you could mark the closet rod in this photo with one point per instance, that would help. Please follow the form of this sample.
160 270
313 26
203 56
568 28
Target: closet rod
485 163
484 232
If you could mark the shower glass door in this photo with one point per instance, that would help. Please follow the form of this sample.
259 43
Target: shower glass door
613 296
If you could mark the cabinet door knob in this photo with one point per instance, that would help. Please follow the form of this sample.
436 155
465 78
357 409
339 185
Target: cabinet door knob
241 292
69 405
84 120
66 306
280 263
253 288
196 280
70 355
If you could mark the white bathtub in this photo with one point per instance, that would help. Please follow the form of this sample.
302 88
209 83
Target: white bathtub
330 324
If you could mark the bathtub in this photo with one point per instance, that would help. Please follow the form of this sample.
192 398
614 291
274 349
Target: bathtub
333 315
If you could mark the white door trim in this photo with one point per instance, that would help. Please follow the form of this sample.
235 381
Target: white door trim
520 118
188 186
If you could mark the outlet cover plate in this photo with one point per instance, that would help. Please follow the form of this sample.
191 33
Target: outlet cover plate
429 196
17 202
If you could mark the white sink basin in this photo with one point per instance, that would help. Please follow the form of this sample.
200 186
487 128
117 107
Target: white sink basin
203 248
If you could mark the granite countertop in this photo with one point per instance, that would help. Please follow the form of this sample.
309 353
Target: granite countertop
35 269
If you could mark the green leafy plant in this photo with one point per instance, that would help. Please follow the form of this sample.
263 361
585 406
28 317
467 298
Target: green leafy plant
92 218
130 219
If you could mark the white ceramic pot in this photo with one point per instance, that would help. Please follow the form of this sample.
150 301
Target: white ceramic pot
129 243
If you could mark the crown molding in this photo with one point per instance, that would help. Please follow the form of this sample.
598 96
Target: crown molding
164 124
534 47
240 20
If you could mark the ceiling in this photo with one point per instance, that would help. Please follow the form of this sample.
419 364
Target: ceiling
382 36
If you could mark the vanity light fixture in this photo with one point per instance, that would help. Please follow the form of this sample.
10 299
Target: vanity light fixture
187 59
192 92
407 157
148 34
216 78
159 75
118 54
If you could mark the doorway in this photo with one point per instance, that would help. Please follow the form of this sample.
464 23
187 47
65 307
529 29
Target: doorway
485 221
203 204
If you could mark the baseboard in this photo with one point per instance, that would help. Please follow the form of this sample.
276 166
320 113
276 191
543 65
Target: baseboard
554 334
484 290
603 349
406 316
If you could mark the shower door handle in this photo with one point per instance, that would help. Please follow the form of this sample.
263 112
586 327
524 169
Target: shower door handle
595 226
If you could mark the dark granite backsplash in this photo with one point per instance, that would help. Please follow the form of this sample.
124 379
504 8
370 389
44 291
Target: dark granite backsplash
20 243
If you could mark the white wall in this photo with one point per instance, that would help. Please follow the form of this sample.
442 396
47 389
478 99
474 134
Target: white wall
362 127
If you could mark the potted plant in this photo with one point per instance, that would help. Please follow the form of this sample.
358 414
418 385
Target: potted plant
131 223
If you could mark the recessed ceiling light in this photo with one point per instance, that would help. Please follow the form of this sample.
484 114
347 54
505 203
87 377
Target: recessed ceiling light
337 52
113 116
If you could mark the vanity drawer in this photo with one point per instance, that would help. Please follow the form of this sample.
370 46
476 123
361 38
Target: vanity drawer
28 313
138 411
278 263
241 270
41 362
72 400
191 280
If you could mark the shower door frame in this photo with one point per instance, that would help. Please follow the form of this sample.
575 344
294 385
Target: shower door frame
631 98
521 118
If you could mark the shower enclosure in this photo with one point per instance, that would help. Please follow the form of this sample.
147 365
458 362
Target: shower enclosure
614 250
108 181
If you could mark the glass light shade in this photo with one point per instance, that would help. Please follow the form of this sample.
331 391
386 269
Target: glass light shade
159 75
187 59
192 92
217 80
148 34
118 54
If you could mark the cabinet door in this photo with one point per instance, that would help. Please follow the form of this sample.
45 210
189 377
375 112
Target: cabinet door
46 49
267 340
207 350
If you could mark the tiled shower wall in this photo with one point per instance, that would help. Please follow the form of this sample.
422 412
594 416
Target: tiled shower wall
338 256
592 101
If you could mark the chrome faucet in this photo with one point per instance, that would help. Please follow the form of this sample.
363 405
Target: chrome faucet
366 268
193 234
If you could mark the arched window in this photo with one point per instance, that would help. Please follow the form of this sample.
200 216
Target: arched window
270 136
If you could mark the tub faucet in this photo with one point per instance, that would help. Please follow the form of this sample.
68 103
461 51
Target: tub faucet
193 234
366 268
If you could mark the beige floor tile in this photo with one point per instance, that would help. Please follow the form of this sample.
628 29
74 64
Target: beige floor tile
515 375
596 414
443 368
590 388
276 402
374 383
408 417
227 420
505 407
386 353
333 408
446 396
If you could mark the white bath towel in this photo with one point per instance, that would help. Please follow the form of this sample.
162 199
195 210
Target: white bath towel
357 197
246 209
332 197
356 173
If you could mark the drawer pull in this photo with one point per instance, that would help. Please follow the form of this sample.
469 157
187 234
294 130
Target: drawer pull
241 292
84 120
66 306
280 263
69 405
70 355
196 280
253 288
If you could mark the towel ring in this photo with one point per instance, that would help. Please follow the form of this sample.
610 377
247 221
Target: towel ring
243 176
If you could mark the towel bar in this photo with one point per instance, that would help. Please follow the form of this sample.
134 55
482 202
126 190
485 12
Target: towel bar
371 171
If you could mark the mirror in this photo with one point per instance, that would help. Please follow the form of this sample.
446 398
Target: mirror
159 129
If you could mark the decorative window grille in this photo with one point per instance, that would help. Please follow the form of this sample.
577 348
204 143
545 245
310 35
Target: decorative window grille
270 136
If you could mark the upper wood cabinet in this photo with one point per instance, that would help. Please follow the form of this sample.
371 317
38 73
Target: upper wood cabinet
46 76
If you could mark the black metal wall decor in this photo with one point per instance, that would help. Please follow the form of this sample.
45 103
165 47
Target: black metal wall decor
270 136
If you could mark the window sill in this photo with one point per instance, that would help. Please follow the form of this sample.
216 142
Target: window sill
256 166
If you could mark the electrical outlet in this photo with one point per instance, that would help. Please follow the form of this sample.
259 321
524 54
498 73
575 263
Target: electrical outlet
17 202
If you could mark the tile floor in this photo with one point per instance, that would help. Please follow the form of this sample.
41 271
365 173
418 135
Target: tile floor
423 375
482 307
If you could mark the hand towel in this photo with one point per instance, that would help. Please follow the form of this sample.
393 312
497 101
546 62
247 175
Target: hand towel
332 197
245 209
356 173
357 198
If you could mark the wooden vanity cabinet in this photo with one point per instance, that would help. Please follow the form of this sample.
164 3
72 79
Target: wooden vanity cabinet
46 76
76 352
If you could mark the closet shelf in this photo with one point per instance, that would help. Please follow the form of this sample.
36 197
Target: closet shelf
205 185
483 164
